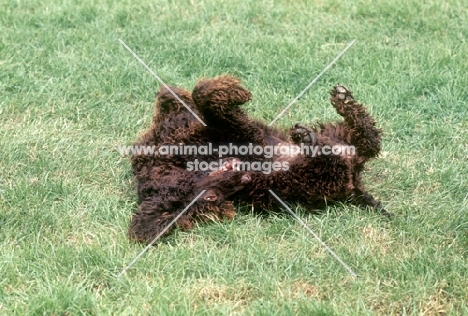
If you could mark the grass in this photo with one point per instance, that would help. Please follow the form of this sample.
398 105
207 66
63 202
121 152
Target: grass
71 94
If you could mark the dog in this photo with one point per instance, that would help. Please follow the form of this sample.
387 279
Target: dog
167 183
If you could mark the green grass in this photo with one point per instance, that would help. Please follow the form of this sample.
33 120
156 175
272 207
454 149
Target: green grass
70 94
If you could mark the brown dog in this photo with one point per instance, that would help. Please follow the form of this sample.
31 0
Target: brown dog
168 183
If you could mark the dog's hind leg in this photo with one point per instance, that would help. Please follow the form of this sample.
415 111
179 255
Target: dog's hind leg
219 100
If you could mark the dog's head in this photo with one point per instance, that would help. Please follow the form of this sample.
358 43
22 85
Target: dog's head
221 186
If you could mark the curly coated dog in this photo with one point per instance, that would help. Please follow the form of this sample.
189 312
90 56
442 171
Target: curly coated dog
167 185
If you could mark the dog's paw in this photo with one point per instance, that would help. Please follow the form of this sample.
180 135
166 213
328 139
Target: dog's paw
341 93
301 134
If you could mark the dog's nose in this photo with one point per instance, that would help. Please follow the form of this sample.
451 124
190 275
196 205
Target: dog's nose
246 178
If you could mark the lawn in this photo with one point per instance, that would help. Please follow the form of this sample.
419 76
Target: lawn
71 94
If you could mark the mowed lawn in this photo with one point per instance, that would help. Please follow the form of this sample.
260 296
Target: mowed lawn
71 94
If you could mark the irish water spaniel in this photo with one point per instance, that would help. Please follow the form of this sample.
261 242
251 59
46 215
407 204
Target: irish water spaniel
167 183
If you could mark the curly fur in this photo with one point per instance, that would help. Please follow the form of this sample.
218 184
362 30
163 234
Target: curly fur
166 187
